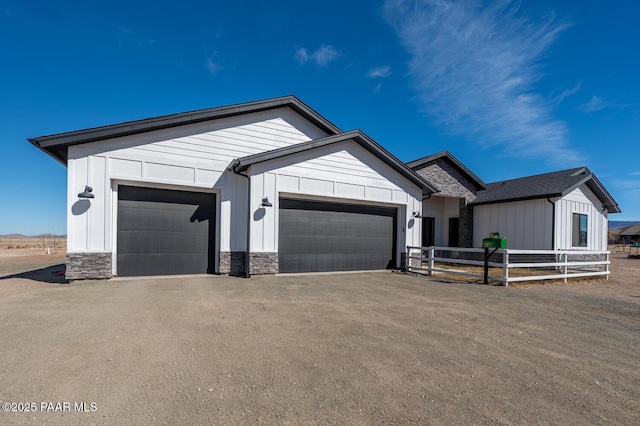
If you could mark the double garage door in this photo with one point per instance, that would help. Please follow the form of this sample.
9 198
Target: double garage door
168 232
165 232
320 236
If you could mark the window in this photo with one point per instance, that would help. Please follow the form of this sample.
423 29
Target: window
579 230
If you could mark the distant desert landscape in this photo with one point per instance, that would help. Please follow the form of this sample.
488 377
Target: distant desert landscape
20 253
22 245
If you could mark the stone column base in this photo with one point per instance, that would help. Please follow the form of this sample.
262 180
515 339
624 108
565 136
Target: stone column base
416 263
264 263
89 266
232 263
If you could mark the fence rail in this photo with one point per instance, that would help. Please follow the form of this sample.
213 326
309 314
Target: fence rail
527 265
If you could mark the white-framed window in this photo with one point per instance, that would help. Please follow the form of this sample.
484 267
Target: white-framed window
579 230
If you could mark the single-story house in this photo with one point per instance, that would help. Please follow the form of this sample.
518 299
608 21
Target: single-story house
565 210
273 187
629 234
260 187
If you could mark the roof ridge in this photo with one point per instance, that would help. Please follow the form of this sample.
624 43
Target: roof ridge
56 145
243 163
541 174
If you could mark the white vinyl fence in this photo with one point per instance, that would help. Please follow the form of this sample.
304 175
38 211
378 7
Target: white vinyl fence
516 265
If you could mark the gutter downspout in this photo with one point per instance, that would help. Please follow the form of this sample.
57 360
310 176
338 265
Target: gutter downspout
247 263
553 224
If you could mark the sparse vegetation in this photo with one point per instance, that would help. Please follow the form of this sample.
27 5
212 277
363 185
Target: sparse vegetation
19 244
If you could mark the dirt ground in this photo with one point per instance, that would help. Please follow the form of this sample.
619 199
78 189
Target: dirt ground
374 348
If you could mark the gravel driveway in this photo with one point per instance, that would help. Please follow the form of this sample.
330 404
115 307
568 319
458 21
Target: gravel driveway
373 348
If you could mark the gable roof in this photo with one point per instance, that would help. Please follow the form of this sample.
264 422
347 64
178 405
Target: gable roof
242 164
631 230
446 155
555 184
57 145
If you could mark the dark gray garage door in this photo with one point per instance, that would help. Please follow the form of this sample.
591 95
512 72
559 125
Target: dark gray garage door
163 232
319 236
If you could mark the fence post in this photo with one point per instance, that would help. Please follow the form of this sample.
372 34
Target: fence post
606 267
430 260
407 260
505 267
566 258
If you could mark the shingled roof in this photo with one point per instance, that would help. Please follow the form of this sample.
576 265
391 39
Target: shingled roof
555 184
631 230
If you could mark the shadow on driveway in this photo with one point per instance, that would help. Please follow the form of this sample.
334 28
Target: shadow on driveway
51 274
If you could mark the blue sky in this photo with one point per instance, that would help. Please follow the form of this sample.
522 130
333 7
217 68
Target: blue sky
510 88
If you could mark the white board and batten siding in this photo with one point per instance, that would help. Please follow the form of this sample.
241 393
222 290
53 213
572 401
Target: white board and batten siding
193 157
583 201
527 225
343 172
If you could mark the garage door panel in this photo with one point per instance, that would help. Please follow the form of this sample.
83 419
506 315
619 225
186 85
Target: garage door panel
154 216
164 232
316 236
150 264
333 262
165 241
326 244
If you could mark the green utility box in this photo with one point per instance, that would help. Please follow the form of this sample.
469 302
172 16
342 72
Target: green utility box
494 241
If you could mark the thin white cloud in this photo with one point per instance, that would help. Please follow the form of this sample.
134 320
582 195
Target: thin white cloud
628 188
379 72
566 93
474 66
634 174
595 104
301 55
213 67
322 56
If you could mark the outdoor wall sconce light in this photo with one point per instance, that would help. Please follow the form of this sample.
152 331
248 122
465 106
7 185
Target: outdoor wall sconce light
417 215
87 193
265 202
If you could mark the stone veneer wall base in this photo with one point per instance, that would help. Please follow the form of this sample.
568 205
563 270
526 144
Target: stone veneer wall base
232 263
89 266
415 263
264 263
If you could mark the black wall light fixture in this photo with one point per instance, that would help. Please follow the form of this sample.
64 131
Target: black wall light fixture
265 202
87 193
417 215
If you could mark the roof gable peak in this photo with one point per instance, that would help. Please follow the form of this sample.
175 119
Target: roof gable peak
56 145
451 159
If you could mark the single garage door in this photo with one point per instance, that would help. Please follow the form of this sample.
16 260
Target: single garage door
165 232
320 236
